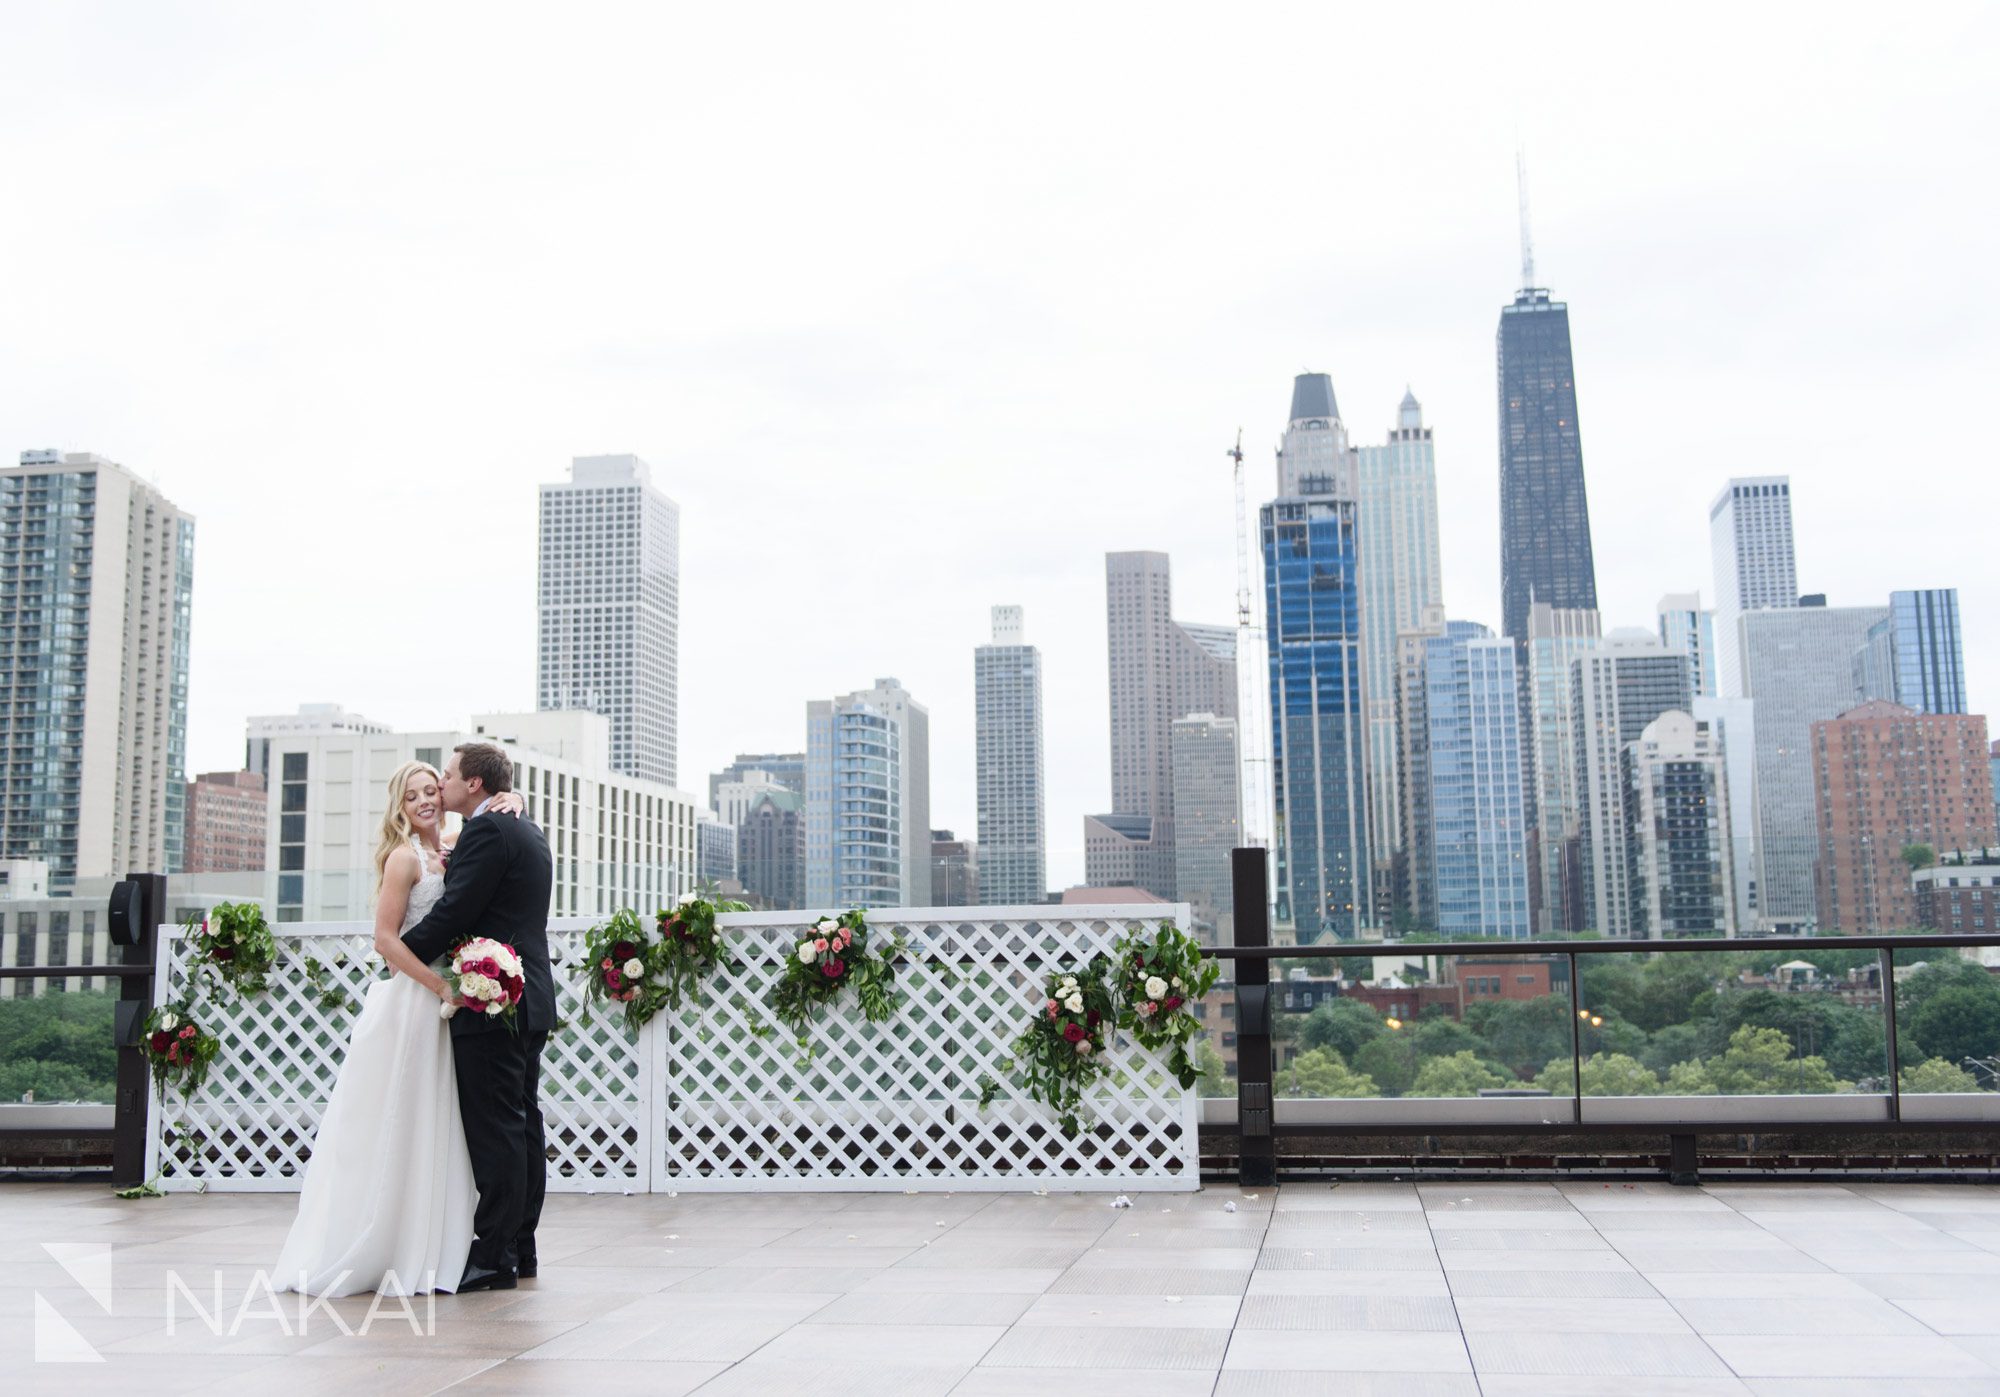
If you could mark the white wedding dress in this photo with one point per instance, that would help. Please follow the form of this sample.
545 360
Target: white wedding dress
388 1197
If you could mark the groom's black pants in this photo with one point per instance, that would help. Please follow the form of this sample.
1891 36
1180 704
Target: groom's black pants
499 1097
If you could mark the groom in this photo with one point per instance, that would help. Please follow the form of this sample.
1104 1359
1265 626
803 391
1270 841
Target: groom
497 884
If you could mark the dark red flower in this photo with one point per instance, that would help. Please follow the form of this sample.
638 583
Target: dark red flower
1073 1032
623 951
677 928
1173 1001
833 968
1094 1016
224 953
614 980
160 1041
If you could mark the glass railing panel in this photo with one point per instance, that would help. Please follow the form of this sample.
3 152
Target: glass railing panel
1948 1025
57 1044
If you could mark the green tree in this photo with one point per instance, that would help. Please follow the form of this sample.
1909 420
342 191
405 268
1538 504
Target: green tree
1341 1025
1919 856
1214 1072
1357 969
1441 1037
1676 1043
1604 1074
1759 1062
1461 1074
1321 1072
1391 1060
1689 1078
58 1046
1959 1022
1522 1033
1936 1076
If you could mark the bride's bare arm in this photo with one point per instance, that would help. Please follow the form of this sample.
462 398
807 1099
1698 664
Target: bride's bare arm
398 877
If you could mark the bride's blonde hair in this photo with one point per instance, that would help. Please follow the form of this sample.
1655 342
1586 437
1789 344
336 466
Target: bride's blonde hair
397 831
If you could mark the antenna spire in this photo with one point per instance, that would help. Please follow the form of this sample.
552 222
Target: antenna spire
1527 236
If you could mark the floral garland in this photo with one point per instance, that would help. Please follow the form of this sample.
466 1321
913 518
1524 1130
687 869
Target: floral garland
690 945
234 943
177 1049
620 959
833 956
1157 980
1062 1051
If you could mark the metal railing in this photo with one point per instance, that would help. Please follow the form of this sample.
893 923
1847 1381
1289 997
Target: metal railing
1259 1129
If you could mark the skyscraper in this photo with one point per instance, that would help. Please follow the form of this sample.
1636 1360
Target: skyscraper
1750 541
1555 639
1684 626
94 634
1312 603
1886 777
1545 553
1677 836
1007 740
1208 818
1733 722
1616 690
1913 657
956 870
1400 579
787 769
868 800
1413 869
1799 669
1478 811
1161 670
771 850
609 608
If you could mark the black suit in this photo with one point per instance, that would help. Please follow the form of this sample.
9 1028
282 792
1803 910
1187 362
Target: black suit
497 884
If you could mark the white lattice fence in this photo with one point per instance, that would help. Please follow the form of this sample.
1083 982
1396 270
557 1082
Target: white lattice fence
718 1096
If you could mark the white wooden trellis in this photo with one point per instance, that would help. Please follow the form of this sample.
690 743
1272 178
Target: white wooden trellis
718 1096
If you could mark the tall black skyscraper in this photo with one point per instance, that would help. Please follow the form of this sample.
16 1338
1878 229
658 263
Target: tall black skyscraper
1544 516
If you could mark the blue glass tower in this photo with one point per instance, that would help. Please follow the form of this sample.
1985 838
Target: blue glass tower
1478 809
1312 603
1929 660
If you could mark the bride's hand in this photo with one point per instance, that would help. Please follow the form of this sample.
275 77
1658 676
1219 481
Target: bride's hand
508 803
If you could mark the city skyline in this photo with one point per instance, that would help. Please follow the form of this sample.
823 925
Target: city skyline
914 388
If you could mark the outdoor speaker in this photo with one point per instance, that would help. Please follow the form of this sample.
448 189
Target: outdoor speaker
127 919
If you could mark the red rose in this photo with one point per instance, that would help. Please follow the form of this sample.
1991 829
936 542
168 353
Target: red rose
1173 1001
1093 1018
490 968
224 953
624 951
677 928
833 968
160 1041
614 980
1073 1032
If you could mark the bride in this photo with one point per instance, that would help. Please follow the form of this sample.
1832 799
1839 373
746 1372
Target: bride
388 1196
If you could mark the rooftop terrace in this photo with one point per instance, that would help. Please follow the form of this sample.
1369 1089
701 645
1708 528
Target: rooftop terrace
1422 1290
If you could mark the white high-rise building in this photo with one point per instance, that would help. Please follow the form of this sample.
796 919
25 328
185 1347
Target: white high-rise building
1400 577
1007 747
1734 723
312 718
1556 637
1750 539
615 840
609 606
1684 626
868 800
96 586
1616 690
1678 830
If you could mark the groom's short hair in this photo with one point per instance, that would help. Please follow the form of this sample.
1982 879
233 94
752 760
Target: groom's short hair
487 764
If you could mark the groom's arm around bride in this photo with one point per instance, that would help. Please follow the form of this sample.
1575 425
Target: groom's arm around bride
497 884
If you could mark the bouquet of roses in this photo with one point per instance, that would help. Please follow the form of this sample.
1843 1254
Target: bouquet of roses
690 945
234 943
1062 1052
177 1049
834 955
485 977
1157 980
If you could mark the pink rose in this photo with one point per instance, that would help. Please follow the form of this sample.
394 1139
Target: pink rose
819 943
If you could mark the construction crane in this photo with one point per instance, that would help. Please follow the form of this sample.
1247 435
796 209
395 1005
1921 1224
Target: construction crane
1255 753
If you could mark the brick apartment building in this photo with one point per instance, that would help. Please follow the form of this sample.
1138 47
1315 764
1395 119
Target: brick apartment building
225 823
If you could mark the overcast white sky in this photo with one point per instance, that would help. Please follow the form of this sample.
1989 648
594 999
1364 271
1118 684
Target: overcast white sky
917 309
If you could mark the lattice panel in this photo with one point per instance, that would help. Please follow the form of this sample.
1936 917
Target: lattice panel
717 1097
896 1105
252 1124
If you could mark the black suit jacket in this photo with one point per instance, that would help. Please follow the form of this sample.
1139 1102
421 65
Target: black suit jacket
497 884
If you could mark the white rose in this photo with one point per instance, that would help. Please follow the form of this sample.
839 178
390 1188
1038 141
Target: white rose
634 968
690 900
1177 983
1083 1047
806 955
1075 1004
493 1008
170 1020
827 926
1156 988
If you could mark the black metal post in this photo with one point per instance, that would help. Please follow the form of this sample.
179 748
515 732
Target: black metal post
1888 973
1683 1161
1257 1160
135 1001
1575 1041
